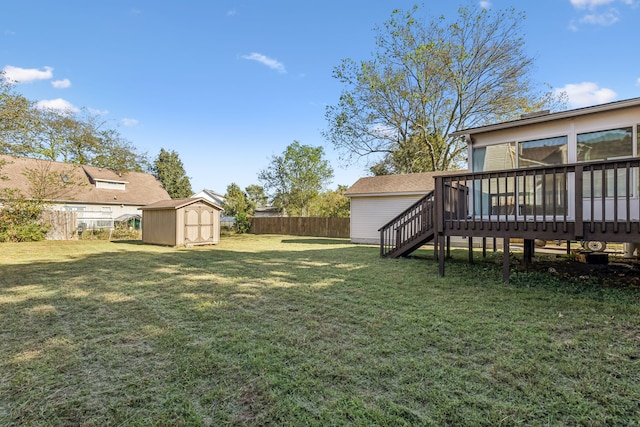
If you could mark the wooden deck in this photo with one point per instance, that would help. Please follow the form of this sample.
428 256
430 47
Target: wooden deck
582 201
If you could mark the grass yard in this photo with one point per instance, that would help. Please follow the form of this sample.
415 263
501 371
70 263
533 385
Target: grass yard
279 330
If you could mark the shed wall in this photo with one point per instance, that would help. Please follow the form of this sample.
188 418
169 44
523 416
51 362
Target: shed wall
370 213
159 227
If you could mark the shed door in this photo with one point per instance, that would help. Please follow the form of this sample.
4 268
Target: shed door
198 224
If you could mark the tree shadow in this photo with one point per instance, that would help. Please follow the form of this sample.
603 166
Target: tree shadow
317 241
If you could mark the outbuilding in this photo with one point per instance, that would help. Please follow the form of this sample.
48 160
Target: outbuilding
375 200
177 222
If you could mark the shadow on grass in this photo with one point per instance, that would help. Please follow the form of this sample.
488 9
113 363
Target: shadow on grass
336 241
136 242
265 329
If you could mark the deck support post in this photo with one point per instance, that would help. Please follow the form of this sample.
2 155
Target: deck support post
441 243
484 247
495 244
448 246
470 250
529 250
505 261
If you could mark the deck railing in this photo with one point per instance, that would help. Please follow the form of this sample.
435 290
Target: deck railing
594 200
409 227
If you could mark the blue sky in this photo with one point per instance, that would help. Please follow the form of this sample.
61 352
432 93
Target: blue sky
228 84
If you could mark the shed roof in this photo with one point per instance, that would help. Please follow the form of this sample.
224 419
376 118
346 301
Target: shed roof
412 183
178 203
69 183
610 106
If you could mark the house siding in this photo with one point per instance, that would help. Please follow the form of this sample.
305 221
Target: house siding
368 214
568 126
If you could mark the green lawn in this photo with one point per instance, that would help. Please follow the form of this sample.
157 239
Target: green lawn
279 330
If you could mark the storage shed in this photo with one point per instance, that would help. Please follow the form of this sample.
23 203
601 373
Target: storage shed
376 200
191 221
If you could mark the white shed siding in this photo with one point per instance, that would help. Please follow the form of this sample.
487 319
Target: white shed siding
368 214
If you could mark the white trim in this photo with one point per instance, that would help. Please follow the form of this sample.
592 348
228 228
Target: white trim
618 105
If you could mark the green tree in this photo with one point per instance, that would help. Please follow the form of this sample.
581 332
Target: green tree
256 197
238 205
296 177
19 121
331 204
427 79
168 168
235 200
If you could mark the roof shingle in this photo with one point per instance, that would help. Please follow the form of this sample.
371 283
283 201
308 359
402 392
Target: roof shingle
412 183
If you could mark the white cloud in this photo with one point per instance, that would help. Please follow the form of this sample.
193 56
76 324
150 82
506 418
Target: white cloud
589 4
638 81
97 112
604 19
232 12
269 62
485 4
129 122
26 75
57 104
586 93
61 84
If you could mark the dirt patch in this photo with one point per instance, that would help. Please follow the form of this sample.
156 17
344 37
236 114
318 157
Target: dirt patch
618 273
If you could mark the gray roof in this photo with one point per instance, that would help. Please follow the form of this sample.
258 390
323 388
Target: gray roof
407 184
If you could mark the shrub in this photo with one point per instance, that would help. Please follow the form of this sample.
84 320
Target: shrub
21 219
243 222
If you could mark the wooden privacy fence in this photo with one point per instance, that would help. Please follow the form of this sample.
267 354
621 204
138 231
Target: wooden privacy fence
301 226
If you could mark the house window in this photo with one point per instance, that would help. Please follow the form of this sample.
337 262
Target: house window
544 194
542 152
494 157
495 195
605 145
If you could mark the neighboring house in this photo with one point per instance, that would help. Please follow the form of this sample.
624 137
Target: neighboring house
217 199
191 221
376 200
268 212
210 195
98 196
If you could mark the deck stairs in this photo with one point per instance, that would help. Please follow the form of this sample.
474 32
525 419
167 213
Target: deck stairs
411 229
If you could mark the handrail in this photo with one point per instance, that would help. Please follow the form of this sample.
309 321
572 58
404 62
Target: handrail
577 200
408 227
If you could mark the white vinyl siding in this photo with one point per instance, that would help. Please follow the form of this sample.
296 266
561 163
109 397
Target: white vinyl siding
370 213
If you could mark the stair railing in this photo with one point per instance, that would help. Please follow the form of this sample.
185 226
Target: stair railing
408 226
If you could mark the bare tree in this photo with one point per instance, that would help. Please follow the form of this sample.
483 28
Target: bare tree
428 80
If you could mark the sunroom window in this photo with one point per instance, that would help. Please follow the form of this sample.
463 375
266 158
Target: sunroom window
495 195
542 152
543 194
605 145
